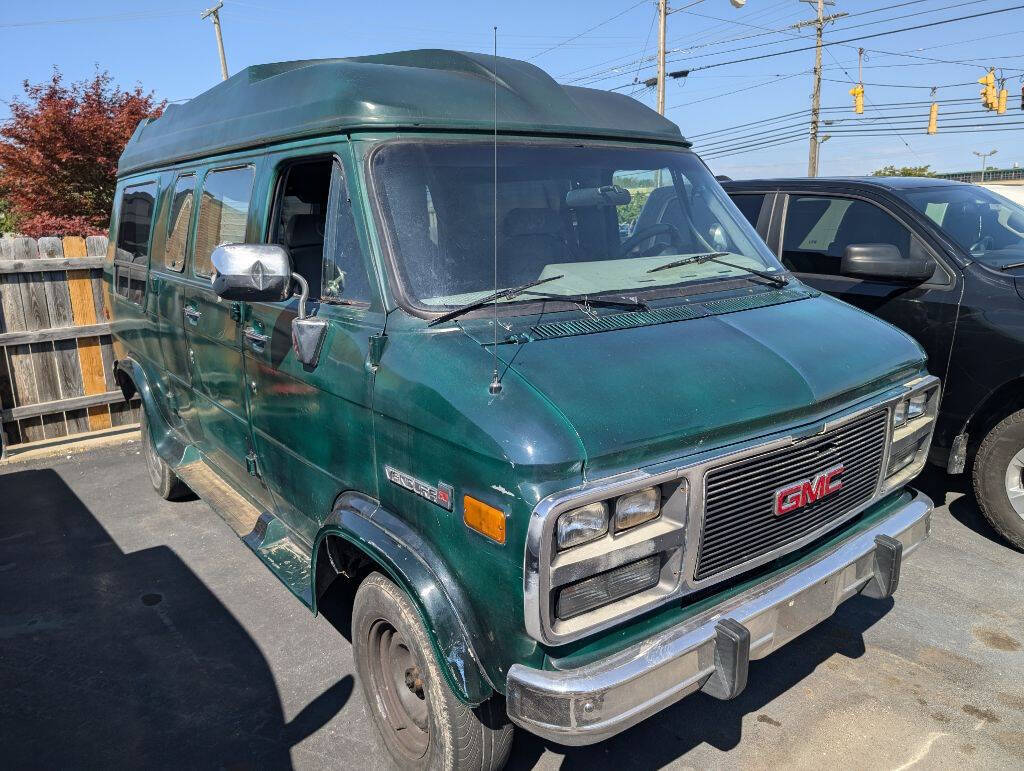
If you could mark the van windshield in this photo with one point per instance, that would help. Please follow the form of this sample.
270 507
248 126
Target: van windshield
601 217
984 223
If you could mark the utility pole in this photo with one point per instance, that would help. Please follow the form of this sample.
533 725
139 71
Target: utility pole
819 26
662 22
812 158
659 81
983 156
215 13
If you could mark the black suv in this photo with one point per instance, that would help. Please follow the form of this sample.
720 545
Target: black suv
943 261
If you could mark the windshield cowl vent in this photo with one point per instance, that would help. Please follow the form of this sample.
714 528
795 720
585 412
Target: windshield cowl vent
633 319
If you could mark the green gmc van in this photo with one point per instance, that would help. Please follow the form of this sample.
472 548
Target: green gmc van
391 317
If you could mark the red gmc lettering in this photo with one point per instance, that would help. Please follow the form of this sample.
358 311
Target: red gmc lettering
807 491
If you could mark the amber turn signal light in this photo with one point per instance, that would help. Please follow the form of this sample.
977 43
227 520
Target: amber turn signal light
485 519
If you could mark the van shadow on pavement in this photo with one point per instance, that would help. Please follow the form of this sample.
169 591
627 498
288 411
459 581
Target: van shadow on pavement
113 659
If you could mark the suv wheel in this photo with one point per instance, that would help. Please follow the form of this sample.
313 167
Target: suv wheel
164 480
999 478
418 717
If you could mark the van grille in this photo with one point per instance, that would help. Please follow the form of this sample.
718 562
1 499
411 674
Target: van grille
739 516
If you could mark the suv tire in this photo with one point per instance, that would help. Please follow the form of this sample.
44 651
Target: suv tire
417 716
999 478
163 478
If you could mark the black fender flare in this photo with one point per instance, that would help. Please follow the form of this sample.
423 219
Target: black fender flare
132 378
415 566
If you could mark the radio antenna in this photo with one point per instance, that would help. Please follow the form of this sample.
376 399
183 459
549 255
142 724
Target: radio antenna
495 387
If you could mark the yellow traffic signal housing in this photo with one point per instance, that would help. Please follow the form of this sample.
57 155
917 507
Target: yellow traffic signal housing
857 92
933 119
1003 95
989 97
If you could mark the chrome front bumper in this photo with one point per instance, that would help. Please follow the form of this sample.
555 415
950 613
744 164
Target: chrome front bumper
711 651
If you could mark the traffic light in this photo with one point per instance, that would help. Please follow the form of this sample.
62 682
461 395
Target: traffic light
1003 95
857 92
933 119
989 97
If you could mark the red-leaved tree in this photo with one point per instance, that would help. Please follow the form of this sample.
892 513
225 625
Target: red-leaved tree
59 151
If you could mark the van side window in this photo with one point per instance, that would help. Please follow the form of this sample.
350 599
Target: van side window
819 228
223 210
345 278
313 221
131 258
179 221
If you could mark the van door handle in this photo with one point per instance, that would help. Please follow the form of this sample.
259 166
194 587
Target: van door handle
257 340
193 315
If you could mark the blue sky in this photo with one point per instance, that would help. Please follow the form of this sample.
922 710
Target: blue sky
166 47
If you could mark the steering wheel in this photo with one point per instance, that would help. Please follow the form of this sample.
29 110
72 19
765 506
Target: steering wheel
979 247
643 234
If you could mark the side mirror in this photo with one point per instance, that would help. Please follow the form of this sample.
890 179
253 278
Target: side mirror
251 272
884 262
263 273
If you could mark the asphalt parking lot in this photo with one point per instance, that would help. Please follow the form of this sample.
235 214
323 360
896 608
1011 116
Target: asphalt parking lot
140 633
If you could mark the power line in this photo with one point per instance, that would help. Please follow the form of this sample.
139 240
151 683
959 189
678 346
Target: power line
861 37
588 30
856 39
86 19
801 136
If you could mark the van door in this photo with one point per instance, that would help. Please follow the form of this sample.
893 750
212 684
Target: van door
167 288
312 426
213 330
817 228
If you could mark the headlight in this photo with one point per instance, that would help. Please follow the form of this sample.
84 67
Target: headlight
916 405
910 408
913 420
582 525
636 508
899 413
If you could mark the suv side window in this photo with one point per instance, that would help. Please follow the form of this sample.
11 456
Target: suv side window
131 257
223 210
818 229
313 221
179 221
749 205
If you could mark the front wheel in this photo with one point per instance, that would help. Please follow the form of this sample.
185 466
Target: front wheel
999 478
418 717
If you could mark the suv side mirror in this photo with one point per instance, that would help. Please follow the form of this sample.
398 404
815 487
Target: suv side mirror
884 262
251 272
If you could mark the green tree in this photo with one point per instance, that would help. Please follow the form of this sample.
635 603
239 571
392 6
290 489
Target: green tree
904 171
8 222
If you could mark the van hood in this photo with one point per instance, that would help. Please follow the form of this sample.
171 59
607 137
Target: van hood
637 396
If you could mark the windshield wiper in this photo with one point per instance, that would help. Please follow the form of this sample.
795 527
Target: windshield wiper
1011 266
501 294
586 299
715 257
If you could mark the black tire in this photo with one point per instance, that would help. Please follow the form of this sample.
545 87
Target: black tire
998 473
162 477
418 718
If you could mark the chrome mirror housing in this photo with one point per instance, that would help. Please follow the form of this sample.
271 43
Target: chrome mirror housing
251 272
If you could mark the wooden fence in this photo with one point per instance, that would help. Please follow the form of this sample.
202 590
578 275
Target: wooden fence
55 347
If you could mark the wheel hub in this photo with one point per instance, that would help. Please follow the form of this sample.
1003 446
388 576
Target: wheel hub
398 679
1015 482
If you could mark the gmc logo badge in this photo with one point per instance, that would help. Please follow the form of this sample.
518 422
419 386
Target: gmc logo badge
805 492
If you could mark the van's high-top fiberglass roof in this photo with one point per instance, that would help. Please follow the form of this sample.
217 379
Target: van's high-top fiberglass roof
425 89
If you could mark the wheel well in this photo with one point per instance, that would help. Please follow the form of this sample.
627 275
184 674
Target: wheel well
1005 400
337 558
125 383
